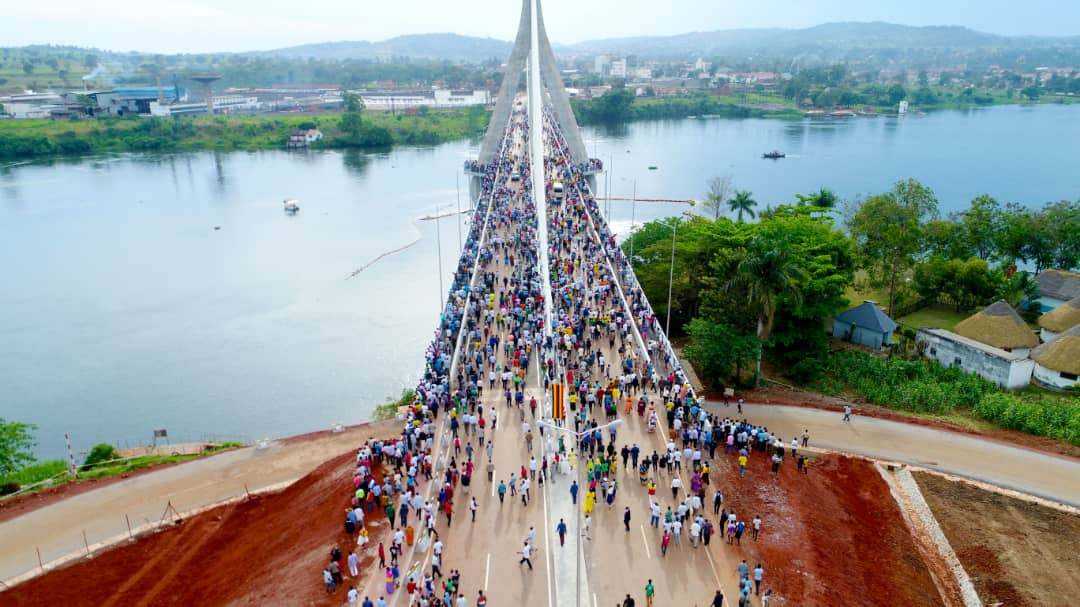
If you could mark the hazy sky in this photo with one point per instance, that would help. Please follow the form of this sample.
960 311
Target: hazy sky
239 25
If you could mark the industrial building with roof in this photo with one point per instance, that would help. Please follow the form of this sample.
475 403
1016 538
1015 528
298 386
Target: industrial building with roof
865 324
993 343
1057 363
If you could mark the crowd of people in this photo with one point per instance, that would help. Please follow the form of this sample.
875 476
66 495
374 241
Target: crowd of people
604 345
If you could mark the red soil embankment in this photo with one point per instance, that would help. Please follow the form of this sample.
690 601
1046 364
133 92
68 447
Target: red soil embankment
834 536
270 549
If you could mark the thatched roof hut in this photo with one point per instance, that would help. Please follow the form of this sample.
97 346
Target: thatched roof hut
1000 326
1063 317
1062 354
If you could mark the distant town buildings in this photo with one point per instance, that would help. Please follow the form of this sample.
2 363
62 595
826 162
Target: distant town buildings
618 68
434 98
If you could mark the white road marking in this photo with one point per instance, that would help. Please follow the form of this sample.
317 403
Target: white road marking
712 566
487 571
645 540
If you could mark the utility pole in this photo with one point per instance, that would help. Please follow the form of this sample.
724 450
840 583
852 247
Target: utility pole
72 469
438 246
457 184
633 224
671 276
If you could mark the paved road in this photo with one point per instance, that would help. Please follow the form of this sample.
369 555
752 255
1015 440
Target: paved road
1040 474
57 528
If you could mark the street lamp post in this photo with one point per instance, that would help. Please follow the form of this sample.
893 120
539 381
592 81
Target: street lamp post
577 510
671 276
438 246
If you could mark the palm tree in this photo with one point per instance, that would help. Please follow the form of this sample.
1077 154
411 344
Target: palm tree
824 198
742 202
768 271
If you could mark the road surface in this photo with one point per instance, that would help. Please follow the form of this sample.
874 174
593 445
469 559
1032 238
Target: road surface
57 529
1047 476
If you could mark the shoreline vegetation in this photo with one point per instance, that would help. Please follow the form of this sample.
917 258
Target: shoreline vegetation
354 128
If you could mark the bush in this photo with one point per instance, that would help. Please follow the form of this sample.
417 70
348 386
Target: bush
926 387
101 452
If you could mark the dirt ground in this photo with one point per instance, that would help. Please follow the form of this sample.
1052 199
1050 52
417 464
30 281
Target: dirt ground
1017 553
268 550
834 536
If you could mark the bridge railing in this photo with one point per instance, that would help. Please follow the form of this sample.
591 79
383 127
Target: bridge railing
620 266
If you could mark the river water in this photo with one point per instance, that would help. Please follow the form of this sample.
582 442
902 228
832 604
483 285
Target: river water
125 310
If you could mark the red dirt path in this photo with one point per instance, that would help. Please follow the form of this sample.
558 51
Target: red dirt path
270 549
832 537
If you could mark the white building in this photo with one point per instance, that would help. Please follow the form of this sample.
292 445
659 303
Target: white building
618 68
600 64
993 343
226 104
1059 320
1006 369
435 98
1057 364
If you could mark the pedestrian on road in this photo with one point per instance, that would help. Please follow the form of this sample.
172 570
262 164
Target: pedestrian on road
649 592
759 572
847 413
626 519
717 501
502 492
526 553
756 527
628 601
805 437
561 530
718 599
472 508
354 564
481 600
574 492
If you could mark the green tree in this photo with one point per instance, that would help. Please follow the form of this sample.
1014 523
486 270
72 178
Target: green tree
1032 93
824 198
889 233
28 67
719 352
719 190
16 444
981 223
742 203
767 271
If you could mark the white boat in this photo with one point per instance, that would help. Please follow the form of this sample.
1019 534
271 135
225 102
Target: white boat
292 205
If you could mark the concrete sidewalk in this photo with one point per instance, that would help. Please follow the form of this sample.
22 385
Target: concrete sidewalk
1028 471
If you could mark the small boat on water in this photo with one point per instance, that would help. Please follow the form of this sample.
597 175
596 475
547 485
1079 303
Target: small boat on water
292 205
652 167
774 154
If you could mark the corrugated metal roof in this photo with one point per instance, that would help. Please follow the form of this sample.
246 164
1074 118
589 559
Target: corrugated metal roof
868 316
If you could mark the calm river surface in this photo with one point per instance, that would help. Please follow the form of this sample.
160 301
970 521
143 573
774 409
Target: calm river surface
124 310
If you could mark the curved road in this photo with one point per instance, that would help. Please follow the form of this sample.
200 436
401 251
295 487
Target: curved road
1028 471
57 529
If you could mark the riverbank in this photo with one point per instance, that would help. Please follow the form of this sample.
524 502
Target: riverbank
25 139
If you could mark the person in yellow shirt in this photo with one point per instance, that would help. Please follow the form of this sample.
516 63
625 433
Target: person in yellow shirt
742 464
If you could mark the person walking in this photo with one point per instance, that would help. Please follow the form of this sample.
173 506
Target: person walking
650 591
502 492
847 414
561 530
354 564
628 601
626 519
526 553
759 573
574 492
718 599
756 527
472 508
717 501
